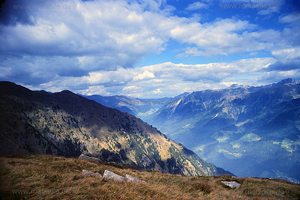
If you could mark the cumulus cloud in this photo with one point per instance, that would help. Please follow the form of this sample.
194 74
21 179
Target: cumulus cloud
285 55
229 36
144 75
287 59
93 47
165 79
82 37
115 33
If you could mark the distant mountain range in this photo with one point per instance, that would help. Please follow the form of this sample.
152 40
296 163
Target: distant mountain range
66 124
140 108
250 131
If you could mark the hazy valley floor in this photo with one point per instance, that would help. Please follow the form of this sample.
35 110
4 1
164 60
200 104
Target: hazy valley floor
51 177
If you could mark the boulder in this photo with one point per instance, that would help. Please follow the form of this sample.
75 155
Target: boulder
231 184
129 178
89 158
110 175
87 173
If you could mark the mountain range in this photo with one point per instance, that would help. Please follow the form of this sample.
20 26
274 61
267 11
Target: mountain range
250 131
66 124
140 108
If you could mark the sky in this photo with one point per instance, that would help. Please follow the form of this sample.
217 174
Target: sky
148 48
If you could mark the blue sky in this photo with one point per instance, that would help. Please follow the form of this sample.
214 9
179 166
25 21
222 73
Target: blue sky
148 48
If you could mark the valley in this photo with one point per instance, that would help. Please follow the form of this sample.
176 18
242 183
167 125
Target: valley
251 131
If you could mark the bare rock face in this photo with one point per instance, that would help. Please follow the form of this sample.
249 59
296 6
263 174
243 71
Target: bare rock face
110 175
231 184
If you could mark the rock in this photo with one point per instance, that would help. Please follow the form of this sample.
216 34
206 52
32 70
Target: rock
110 175
85 157
231 184
129 178
87 173
97 175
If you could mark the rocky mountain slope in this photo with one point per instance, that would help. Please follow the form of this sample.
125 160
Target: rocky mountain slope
66 124
251 131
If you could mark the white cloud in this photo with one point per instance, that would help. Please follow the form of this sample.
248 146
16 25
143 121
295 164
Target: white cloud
276 76
219 37
196 6
165 79
290 18
268 11
284 55
131 88
95 90
94 46
144 75
157 91
117 33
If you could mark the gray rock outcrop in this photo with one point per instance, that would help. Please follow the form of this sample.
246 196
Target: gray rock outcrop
107 174
110 175
129 178
231 184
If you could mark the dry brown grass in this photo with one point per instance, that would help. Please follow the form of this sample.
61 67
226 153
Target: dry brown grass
51 177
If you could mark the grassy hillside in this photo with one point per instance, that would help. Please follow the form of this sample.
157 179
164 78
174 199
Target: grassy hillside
52 177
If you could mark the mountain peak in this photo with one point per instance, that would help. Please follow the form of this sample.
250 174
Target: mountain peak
289 81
